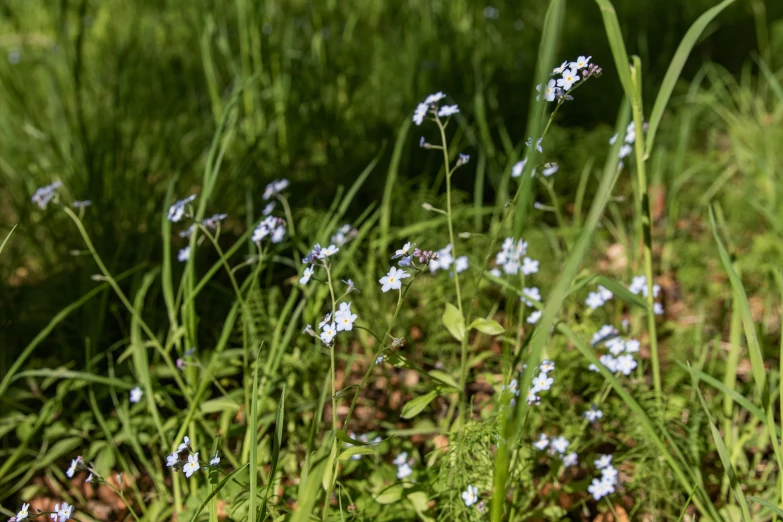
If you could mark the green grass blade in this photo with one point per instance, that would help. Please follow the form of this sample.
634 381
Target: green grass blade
278 444
216 491
723 453
77 376
616 43
675 68
769 505
2 246
252 430
391 179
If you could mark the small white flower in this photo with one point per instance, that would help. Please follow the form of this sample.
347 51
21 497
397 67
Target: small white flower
549 91
529 143
185 444
549 169
594 300
470 496
308 273
420 113
328 333
404 471
542 383
529 266
214 220
496 272
605 293
379 360
615 345
393 280
603 461
63 513
609 361
328 251
546 366
172 460
183 255
598 489
461 264
269 208
541 443
135 394
632 346
23 512
345 321
560 444
434 98
657 309
89 478
44 195
192 465
72 469
581 63
275 188
533 293
570 460
215 460
609 474
569 78
518 167
400 459
626 364
593 414
534 317
625 150
402 252
177 210
561 69
448 110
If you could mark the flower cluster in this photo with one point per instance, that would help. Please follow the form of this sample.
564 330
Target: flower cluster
630 138
444 259
271 226
620 357
44 195
344 234
189 466
558 447
569 72
597 299
342 322
600 487
431 105
404 469
541 383
639 286
593 414
512 259
275 188
177 210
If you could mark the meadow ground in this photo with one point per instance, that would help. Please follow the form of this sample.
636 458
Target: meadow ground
228 297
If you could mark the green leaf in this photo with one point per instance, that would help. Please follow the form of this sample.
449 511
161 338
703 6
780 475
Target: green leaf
444 378
766 504
390 495
675 68
2 245
414 406
326 480
105 460
420 502
358 450
487 326
59 449
454 321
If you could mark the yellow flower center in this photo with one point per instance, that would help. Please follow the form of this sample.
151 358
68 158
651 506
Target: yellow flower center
391 279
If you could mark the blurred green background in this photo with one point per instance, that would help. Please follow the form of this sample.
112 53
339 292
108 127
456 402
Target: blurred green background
117 98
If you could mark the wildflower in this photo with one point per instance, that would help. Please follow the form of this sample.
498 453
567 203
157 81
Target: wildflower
393 280
73 467
328 252
188 231
269 208
605 294
461 264
185 444
23 512
598 489
184 254
532 293
616 346
192 465
308 273
625 150
470 496
560 444
62 513
561 69
269 226
78 204
400 459
632 346
345 321
326 320
594 300
275 188
518 167
602 334
534 317
344 233
214 461
549 91
657 309
172 460
89 478
351 286
570 460
328 333
496 272
404 471
529 266
541 443
214 220
402 252
419 113
44 195
593 414
546 366
529 143
603 461
462 159
177 210
626 364
609 474
448 110
569 78
378 360
135 394
542 383
549 169
610 362
592 70
434 98
580 63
